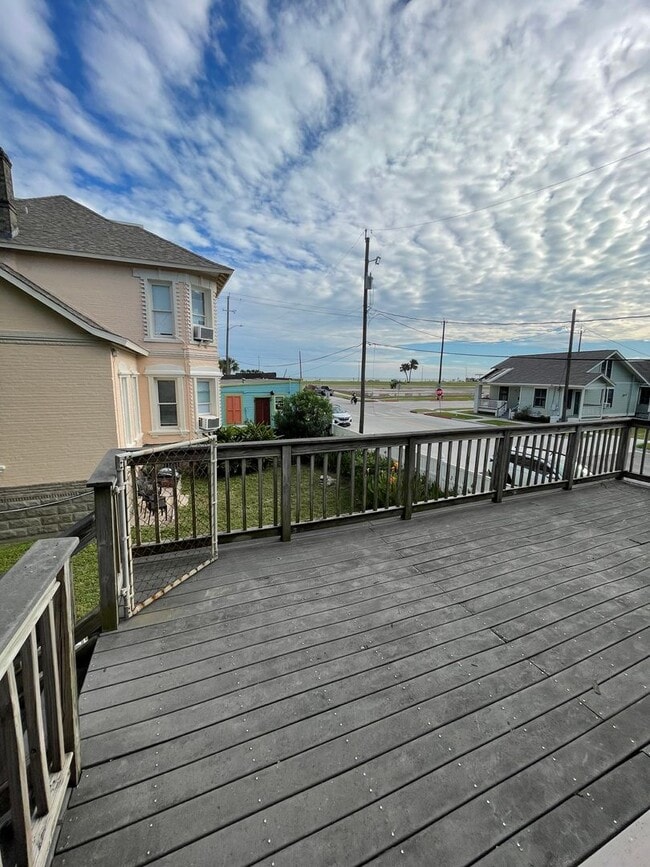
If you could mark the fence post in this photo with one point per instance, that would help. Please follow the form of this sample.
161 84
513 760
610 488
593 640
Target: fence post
285 489
409 472
501 466
570 460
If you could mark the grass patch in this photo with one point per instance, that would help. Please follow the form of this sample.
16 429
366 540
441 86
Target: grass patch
85 575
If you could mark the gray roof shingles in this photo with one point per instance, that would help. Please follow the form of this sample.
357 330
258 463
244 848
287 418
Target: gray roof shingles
548 369
61 224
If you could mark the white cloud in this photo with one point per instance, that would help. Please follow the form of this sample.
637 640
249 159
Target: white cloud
320 119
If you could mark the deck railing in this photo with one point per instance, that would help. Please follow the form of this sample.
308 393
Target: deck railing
153 532
39 746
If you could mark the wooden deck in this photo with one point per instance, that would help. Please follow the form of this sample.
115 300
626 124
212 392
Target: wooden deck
468 687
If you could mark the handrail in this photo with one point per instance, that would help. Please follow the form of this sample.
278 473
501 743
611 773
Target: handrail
37 622
281 486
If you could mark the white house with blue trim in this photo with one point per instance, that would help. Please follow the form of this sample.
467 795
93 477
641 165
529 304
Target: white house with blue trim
602 384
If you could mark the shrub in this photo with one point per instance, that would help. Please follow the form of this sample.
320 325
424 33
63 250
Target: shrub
526 414
304 415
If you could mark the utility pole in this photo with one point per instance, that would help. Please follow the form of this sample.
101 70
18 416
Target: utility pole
580 340
364 336
300 363
442 350
567 380
227 334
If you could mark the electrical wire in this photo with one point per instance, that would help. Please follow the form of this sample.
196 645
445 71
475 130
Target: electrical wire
499 202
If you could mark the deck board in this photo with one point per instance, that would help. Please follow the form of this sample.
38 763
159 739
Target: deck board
288 692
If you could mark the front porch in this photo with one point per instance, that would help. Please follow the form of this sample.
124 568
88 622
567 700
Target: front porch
467 687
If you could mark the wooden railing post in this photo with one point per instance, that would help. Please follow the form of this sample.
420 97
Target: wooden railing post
570 460
621 453
409 473
501 466
107 557
285 494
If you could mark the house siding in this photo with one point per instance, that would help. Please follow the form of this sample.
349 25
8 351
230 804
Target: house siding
58 415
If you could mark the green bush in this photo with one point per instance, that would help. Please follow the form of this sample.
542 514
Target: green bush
526 414
304 415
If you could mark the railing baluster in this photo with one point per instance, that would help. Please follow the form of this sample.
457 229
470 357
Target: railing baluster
260 492
298 488
337 485
52 688
325 456
437 491
353 467
244 506
447 492
427 472
16 764
376 481
311 487
226 491
389 478
38 770
286 494
364 480
275 491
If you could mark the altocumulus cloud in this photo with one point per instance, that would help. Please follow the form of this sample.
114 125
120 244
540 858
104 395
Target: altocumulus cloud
269 135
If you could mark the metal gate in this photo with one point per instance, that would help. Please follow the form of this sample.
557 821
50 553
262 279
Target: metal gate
167 518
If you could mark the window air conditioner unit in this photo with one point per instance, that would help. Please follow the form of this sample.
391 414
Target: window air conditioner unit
203 333
209 423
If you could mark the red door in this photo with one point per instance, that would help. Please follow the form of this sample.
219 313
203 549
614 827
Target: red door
233 409
263 410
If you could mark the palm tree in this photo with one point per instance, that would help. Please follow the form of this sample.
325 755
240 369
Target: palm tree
228 365
413 365
404 368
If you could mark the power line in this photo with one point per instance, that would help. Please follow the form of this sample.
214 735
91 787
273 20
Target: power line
516 198
517 322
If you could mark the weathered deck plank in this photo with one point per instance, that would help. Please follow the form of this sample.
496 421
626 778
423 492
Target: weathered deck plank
365 690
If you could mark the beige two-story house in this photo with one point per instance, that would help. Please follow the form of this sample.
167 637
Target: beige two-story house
108 338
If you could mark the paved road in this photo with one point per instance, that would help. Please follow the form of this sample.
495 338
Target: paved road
387 417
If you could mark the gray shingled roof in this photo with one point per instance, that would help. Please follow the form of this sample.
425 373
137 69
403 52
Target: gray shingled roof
549 369
61 224
643 367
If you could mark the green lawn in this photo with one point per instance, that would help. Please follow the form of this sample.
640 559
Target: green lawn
84 573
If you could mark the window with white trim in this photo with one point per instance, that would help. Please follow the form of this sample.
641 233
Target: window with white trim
606 367
161 310
540 397
608 396
201 312
205 397
167 403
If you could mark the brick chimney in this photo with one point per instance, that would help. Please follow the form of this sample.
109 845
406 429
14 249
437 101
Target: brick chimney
8 218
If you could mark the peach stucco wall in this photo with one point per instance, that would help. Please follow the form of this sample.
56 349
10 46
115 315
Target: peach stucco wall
113 295
57 405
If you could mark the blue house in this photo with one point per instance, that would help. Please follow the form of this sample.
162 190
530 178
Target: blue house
254 396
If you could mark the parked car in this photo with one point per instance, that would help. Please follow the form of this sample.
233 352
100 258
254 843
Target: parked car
325 390
341 417
536 466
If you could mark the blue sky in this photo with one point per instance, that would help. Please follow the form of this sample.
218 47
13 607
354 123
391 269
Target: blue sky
497 150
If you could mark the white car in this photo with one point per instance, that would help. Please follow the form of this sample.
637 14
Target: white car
536 466
341 417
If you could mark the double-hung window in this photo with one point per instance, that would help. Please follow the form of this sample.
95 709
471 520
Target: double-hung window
162 310
167 403
608 397
540 397
205 397
201 307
